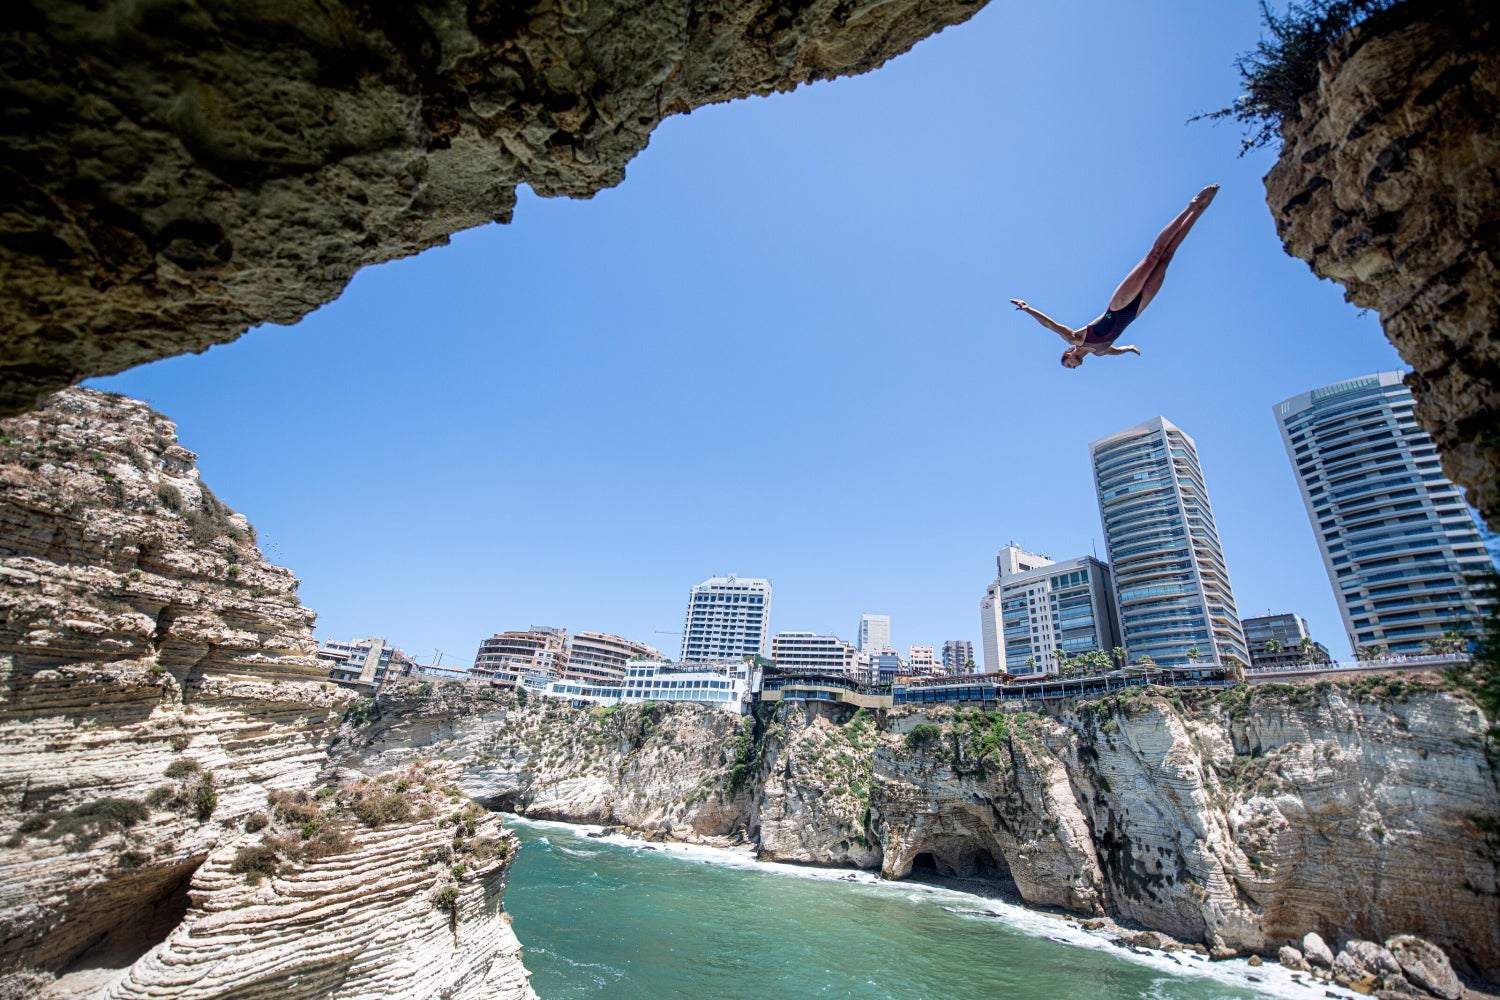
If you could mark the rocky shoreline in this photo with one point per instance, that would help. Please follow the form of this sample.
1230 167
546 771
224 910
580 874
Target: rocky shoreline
1192 817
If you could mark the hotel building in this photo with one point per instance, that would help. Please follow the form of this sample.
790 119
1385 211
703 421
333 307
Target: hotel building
727 618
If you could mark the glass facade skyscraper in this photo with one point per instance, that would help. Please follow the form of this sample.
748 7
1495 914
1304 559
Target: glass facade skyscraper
1398 542
1171 584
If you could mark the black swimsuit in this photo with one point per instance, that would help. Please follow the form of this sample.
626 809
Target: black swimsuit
1105 330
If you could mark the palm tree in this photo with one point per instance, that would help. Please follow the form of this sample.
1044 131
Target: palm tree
1451 641
1145 660
1272 647
1307 648
1118 655
1193 654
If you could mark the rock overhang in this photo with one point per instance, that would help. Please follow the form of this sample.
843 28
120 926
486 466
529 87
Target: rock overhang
175 174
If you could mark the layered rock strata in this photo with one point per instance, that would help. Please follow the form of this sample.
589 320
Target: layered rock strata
157 689
1242 820
404 900
171 175
1388 185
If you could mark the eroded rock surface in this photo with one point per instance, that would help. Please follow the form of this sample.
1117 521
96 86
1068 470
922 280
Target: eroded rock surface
158 690
1242 821
1390 185
172 174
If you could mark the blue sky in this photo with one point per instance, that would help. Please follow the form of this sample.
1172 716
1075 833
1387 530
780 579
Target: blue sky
782 348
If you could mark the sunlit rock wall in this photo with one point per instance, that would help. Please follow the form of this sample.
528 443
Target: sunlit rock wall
158 691
1390 185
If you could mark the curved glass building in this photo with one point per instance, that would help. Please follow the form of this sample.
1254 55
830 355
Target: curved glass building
1170 579
1397 539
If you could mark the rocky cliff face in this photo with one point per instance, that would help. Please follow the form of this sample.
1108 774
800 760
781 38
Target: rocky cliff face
1346 810
174 174
157 691
1388 186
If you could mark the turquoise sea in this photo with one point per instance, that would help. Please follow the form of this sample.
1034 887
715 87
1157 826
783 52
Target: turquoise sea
614 917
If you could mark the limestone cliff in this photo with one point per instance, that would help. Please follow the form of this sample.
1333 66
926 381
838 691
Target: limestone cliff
157 691
1347 810
1388 185
172 174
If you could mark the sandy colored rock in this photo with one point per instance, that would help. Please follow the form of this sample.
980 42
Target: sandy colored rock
158 690
1317 951
1388 186
394 910
1291 958
175 174
1426 966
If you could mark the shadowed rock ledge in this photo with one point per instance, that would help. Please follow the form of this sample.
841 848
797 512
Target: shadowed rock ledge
1390 185
172 174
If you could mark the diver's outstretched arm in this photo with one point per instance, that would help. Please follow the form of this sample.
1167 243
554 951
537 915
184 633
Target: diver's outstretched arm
1065 332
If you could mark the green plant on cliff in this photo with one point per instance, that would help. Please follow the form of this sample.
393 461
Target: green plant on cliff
922 734
1283 68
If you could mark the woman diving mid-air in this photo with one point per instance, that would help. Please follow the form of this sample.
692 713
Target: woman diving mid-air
1134 294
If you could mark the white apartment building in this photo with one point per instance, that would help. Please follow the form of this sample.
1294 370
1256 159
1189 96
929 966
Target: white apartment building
1037 609
1397 540
805 652
727 618
874 633
922 662
600 658
1171 583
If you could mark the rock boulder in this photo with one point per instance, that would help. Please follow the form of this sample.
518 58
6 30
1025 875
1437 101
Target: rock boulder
1426 966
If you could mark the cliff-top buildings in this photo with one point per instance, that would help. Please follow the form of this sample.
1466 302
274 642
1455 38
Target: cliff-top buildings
958 654
874 633
1171 583
921 661
727 618
807 653
1037 609
1397 541
1280 641
364 664
600 658
507 658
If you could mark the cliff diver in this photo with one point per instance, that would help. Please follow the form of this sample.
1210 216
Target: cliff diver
1131 298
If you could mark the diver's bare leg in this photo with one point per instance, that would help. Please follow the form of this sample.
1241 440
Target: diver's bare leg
1146 277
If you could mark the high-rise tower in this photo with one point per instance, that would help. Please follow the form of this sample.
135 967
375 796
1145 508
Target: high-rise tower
874 633
727 618
1171 583
1397 540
